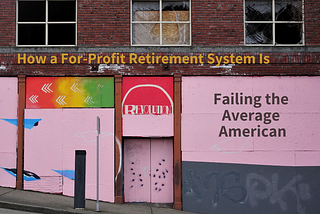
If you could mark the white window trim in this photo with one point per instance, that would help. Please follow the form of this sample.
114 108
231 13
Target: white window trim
160 22
46 23
273 22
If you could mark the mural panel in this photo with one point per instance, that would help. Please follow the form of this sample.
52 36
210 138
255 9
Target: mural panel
251 144
147 106
62 92
251 120
8 130
50 150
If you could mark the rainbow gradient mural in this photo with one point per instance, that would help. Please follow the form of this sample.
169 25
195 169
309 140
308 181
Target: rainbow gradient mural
68 92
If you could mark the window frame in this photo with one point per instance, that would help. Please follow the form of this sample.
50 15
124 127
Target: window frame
274 22
46 22
160 22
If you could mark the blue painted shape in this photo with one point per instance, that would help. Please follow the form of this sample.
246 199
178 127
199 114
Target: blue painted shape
66 173
27 175
9 171
28 123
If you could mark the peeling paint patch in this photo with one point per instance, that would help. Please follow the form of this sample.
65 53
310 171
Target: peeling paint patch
3 68
229 72
37 72
113 67
227 69
229 66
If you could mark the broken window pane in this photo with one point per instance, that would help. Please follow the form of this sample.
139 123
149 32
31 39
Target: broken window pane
288 33
175 34
61 11
145 11
259 33
31 34
288 10
149 27
175 11
31 11
146 33
258 10
284 17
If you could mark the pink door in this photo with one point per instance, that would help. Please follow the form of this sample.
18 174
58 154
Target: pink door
136 170
161 170
148 170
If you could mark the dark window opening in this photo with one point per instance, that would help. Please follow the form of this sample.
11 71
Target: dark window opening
288 33
29 34
30 11
61 11
46 22
61 34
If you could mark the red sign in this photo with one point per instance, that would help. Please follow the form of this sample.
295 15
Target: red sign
147 95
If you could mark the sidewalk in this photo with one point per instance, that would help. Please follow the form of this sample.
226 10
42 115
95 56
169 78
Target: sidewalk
59 204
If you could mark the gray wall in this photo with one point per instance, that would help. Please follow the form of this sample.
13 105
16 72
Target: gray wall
223 188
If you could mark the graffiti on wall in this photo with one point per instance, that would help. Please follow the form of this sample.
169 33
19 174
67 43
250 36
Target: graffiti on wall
27 175
221 188
66 173
62 92
27 123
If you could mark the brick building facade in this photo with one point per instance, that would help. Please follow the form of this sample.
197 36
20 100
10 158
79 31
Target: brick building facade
205 178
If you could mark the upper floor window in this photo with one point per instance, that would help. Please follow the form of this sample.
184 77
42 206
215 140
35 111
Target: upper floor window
274 22
160 22
46 22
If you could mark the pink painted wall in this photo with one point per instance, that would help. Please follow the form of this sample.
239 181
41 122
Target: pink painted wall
147 106
147 125
51 146
8 131
298 115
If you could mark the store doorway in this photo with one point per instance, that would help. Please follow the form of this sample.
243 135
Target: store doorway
148 170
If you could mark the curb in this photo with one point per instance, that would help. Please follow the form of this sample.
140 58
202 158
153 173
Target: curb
37 209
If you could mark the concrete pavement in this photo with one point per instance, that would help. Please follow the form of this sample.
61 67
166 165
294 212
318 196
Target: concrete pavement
58 204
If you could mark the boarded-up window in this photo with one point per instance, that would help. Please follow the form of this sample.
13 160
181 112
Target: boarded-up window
160 22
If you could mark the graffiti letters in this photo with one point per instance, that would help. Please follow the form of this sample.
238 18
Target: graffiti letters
251 189
272 190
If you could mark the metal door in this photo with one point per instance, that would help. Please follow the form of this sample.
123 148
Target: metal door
148 170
